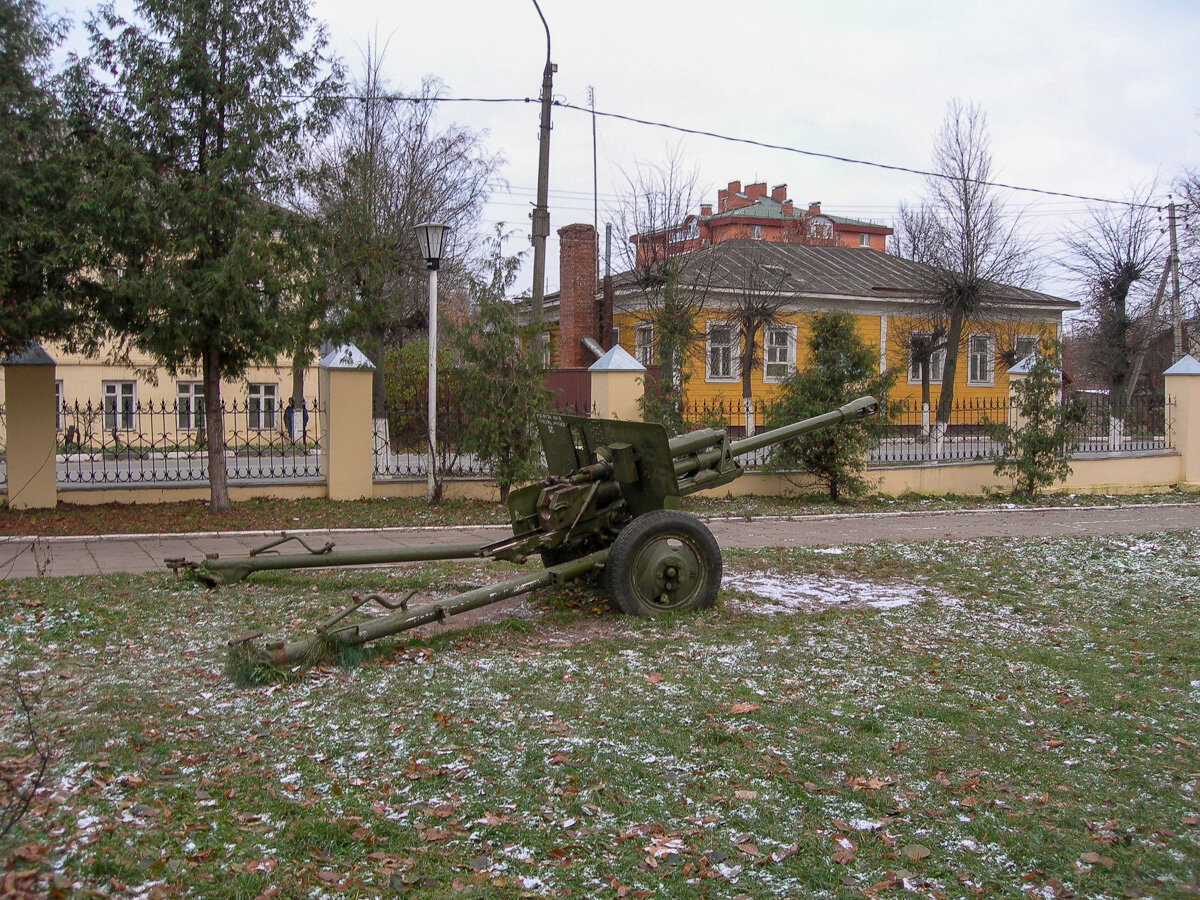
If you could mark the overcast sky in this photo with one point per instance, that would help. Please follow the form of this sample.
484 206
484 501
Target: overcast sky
1090 98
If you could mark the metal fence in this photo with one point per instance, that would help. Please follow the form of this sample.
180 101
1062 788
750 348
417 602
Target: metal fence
167 442
913 434
400 445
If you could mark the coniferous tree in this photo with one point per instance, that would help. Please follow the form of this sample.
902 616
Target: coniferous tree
43 294
1037 440
841 367
500 378
207 108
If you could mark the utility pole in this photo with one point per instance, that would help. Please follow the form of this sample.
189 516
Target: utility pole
595 177
1176 312
541 212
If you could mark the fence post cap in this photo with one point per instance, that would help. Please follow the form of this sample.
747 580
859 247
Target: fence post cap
616 360
1186 366
32 354
347 356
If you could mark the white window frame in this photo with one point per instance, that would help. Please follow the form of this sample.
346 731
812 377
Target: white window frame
937 363
545 356
189 405
119 405
981 359
864 239
731 363
616 335
262 406
779 354
1033 339
643 344
756 233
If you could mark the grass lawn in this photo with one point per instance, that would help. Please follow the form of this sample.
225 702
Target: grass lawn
994 718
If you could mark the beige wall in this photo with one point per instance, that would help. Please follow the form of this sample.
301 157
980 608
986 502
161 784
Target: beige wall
82 379
350 465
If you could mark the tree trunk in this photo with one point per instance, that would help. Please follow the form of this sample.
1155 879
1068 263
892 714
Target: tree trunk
218 478
950 367
746 363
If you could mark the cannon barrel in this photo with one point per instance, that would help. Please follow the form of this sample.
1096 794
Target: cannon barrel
862 408
705 449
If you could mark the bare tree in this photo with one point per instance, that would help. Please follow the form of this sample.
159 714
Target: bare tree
656 217
755 306
389 167
971 242
1118 256
1188 218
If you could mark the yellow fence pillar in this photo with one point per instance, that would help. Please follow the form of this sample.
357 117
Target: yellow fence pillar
30 414
618 382
345 386
1183 384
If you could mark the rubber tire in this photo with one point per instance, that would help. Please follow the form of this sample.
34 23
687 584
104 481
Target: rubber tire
644 551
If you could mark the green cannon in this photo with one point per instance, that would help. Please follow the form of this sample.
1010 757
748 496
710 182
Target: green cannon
608 507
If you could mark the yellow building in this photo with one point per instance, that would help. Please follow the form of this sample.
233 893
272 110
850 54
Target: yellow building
888 296
138 403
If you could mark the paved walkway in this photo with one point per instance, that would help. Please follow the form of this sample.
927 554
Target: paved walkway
23 557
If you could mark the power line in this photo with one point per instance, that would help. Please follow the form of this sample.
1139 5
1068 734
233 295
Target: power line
925 173
848 159
680 129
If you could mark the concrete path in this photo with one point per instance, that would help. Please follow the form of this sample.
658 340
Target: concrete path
24 557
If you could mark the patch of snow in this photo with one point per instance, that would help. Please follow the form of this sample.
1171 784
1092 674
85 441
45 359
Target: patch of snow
779 593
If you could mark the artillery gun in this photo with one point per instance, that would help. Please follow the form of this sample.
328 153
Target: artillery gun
609 506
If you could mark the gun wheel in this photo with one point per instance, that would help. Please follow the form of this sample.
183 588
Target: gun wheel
662 561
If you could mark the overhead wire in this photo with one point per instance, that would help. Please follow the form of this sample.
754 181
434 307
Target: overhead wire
766 145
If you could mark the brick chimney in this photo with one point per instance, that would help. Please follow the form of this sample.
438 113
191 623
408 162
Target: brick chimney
578 309
779 193
735 187
787 209
756 191
706 209
814 208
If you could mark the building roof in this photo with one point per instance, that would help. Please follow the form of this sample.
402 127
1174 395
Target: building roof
767 208
824 271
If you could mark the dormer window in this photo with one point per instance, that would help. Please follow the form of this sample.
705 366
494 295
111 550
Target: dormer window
864 240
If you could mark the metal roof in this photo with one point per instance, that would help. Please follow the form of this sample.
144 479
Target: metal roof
823 271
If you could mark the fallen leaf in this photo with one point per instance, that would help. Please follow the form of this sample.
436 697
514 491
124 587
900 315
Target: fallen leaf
746 795
740 708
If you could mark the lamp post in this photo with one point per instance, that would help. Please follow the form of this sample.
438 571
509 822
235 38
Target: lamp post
430 238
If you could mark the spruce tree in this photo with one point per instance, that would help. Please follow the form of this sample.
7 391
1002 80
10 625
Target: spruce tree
1036 441
209 106
42 293
500 378
841 367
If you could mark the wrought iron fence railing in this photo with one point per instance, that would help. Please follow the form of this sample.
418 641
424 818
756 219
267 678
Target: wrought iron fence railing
167 442
400 443
913 434
162 443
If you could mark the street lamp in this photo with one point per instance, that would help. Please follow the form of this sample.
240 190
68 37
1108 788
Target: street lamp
431 238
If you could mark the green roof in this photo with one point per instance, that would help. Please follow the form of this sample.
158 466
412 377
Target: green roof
766 208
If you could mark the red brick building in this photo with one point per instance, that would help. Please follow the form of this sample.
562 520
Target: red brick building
754 214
